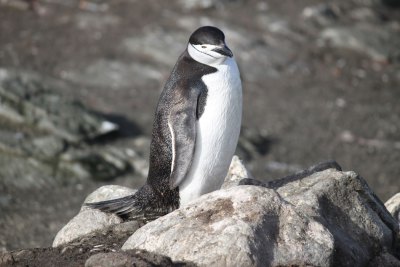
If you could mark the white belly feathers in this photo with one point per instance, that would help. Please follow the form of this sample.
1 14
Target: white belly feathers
217 132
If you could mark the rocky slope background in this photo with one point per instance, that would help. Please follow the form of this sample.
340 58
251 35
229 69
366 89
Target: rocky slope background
78 89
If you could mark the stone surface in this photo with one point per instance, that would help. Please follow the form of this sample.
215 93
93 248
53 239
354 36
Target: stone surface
393 206
330 218
89 220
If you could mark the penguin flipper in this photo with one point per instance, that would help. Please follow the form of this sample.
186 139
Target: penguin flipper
182 126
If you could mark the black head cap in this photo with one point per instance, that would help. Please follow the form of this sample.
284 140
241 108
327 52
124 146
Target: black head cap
207 35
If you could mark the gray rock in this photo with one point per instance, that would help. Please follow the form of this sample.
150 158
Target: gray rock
89 220
108 192
380 43
85 222
49 131
27 100
393 206
100 164
330 218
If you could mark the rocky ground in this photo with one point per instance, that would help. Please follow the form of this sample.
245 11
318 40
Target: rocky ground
321 80
321 216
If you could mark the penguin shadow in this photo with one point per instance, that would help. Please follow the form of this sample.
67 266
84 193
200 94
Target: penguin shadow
126 129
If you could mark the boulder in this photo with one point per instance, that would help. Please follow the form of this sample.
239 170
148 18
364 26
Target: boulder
329 218
89 220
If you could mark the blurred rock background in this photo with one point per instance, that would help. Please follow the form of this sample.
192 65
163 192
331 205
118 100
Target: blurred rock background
79 83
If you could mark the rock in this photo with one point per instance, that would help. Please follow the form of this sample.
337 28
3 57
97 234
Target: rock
393 206
108 192
330 218
38 125
101 164
237 172
79 225
380 43
28 100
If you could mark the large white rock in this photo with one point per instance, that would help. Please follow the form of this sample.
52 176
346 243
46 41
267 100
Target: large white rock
330 218
239 226
89 220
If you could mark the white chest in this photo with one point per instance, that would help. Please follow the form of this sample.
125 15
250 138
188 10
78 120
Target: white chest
217 132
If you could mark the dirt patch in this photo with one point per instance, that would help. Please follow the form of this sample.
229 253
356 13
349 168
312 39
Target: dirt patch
221 209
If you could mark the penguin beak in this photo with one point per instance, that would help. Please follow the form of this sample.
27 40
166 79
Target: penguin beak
223 50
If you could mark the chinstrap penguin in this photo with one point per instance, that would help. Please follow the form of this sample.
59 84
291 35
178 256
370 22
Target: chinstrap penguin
195 131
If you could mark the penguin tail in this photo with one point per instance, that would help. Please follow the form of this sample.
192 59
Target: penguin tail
123 207
139 206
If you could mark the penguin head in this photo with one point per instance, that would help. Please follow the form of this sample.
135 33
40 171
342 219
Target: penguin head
207 45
